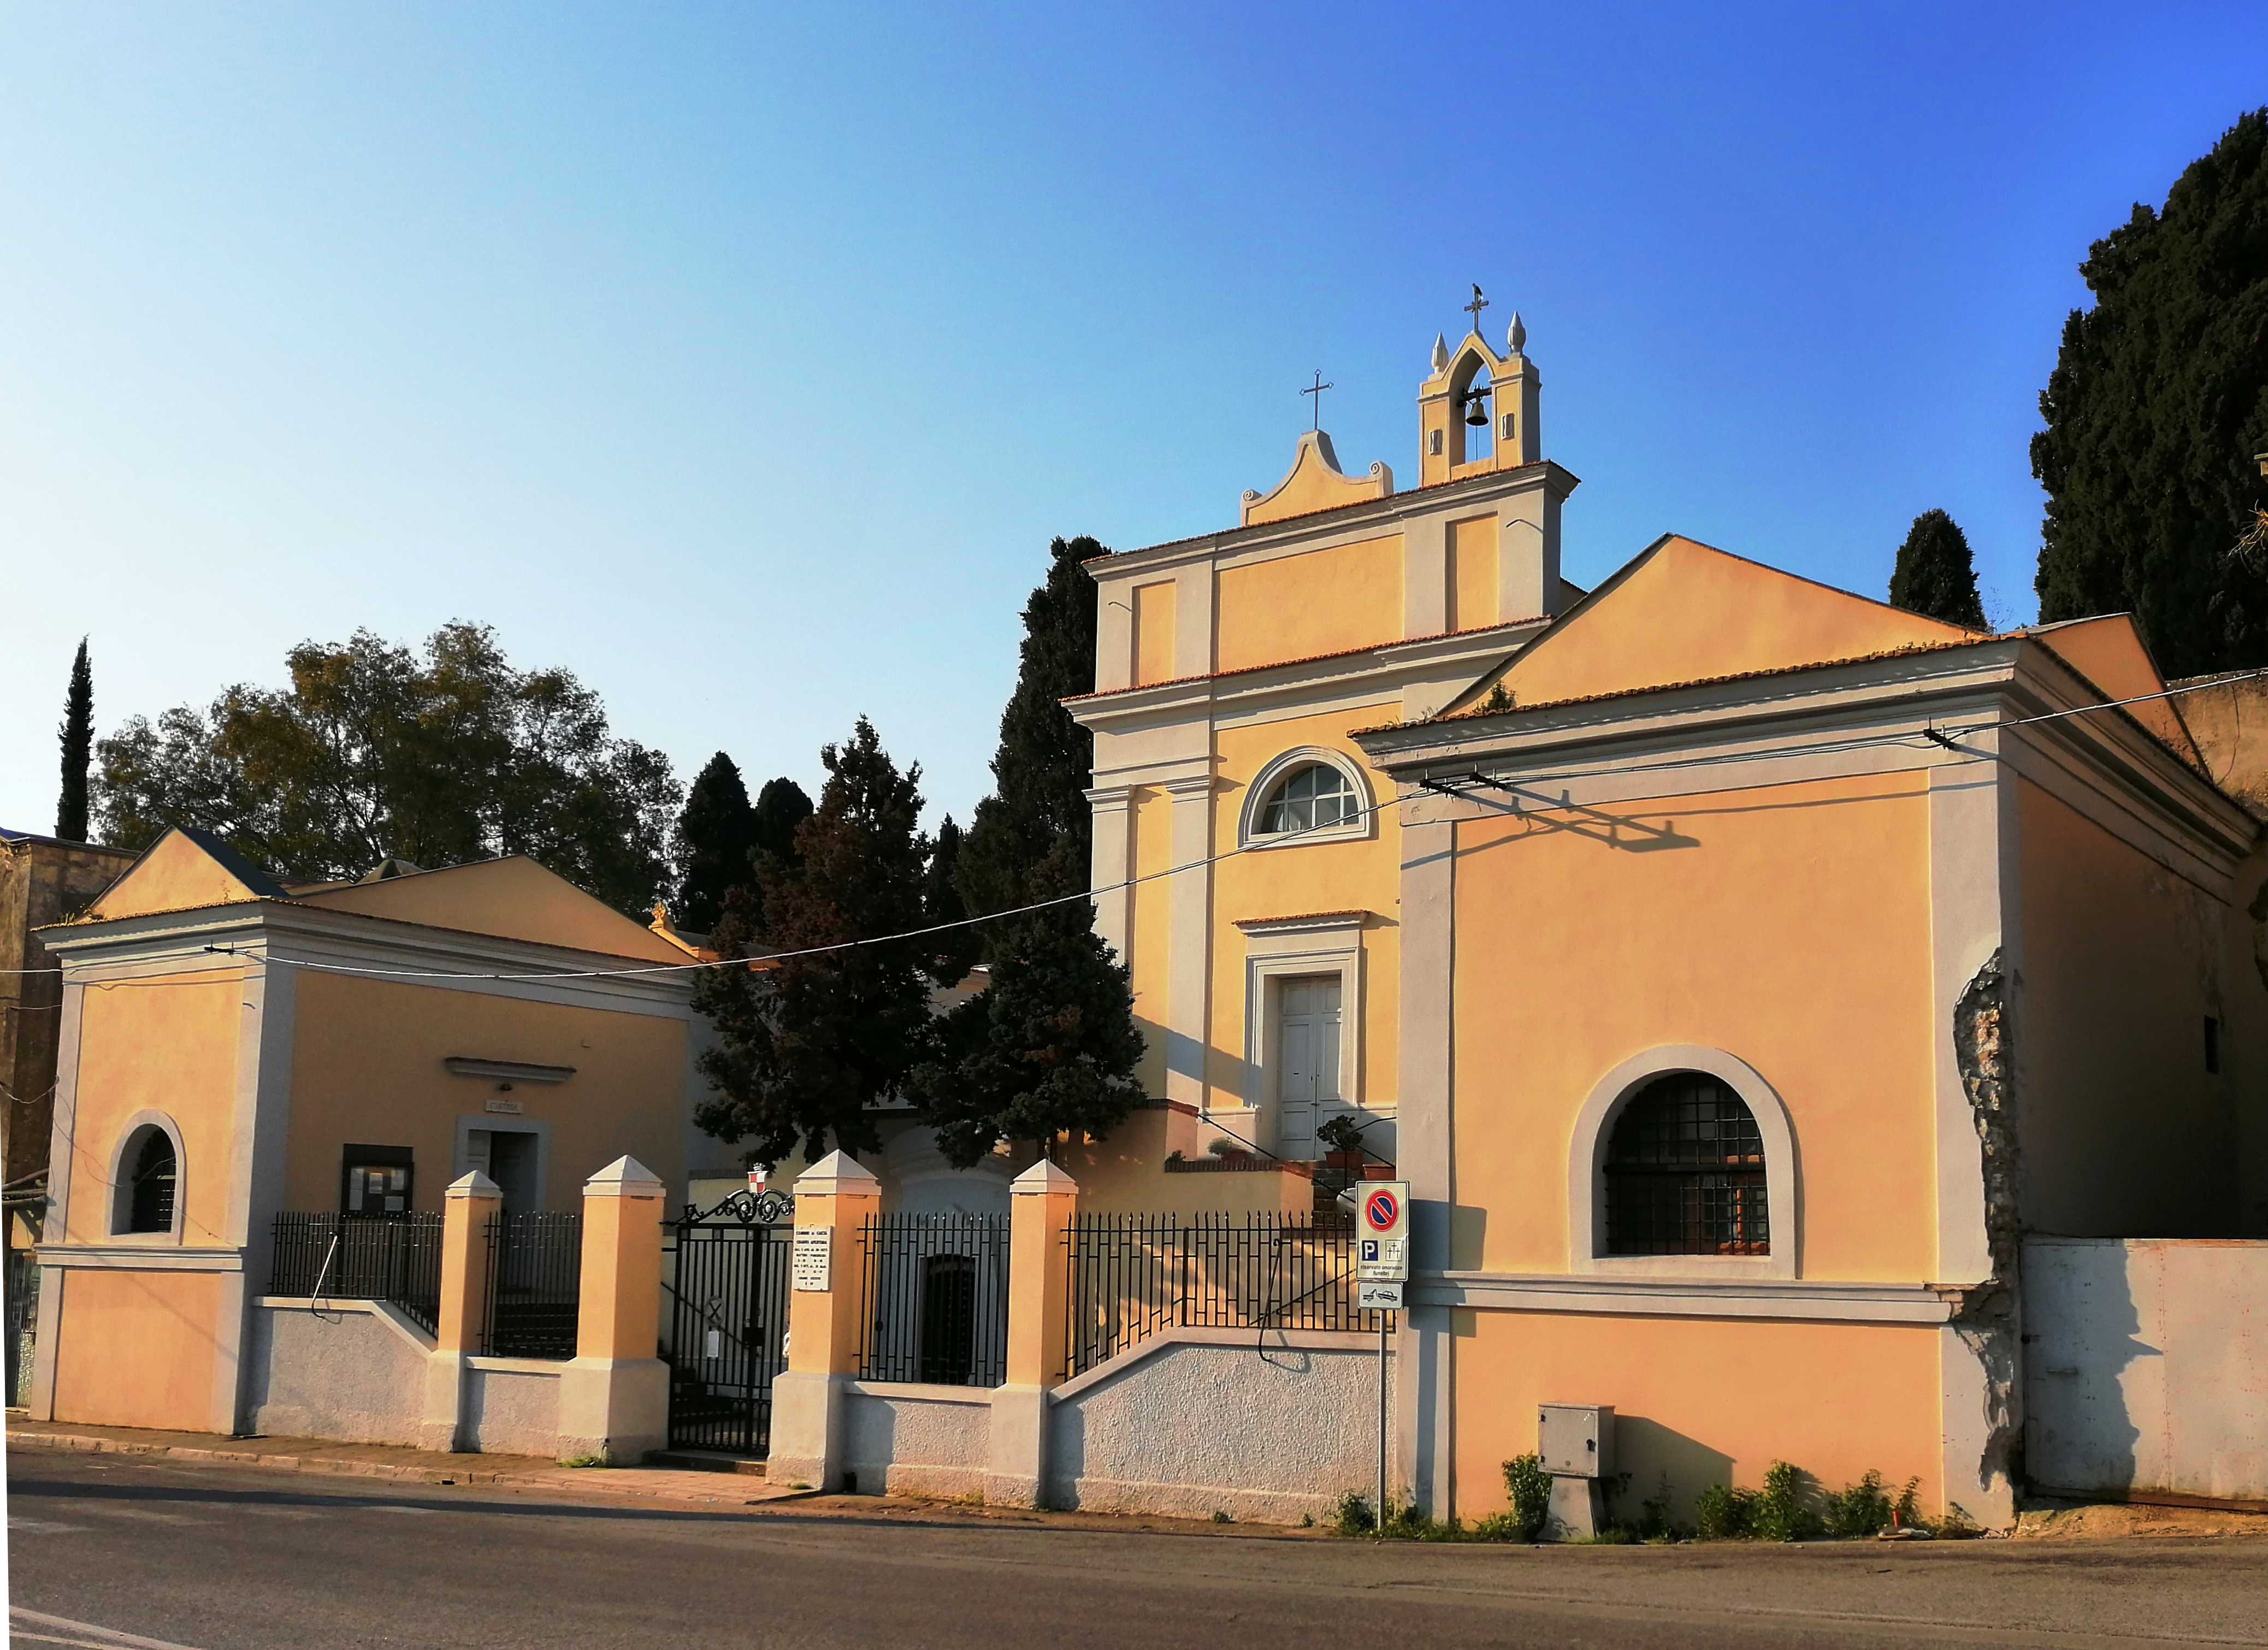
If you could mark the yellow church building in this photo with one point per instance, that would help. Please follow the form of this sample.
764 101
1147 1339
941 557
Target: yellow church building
1734 966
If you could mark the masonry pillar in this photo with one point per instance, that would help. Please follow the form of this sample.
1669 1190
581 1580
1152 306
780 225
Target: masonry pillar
827 1297
1042 1200
465 1210
614 1397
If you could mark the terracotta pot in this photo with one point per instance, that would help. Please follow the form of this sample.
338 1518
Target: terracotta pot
1378 1171
1342 1160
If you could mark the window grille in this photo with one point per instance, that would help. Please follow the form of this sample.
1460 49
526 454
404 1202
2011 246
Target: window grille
152 1206
1310 799
1685 1172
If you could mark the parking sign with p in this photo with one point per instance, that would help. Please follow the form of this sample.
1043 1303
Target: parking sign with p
1382 1252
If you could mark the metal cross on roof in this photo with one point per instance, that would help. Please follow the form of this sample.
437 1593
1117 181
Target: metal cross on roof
1476 305
1317 391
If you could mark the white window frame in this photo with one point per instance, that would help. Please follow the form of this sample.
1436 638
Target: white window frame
1300 947
1257 794
122 1170
1586 1165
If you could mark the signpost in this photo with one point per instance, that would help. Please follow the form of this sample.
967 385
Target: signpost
1382 1269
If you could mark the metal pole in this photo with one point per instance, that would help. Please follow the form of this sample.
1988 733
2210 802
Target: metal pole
1382 1426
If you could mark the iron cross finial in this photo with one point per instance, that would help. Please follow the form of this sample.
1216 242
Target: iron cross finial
1317 391
1476 305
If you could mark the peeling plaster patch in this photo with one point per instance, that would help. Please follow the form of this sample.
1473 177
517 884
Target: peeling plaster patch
1984 1314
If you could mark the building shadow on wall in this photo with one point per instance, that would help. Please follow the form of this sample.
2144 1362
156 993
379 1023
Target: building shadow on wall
1651 1453
2083 1329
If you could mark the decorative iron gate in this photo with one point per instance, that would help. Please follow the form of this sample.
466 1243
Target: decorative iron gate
726 1277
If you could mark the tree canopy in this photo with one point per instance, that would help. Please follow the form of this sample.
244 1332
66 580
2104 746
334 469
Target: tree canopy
805 1044
374 752
2158 400
715 834
76 737
1935 575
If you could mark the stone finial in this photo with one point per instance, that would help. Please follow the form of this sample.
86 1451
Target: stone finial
1440 353
836 1173
1517 335
474 1185
624 1177
1044 1177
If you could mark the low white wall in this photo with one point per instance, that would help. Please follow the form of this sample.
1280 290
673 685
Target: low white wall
1199 1421
915 1439
2146 1366
511 1405
351 1370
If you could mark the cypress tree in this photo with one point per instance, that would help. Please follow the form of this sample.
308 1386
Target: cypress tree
1935 576
957 949
807 1044
781 806
2157 403
714 835
76 736
1030 840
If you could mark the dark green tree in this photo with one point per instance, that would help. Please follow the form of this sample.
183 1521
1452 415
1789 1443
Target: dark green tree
957 949
1935 575
806 1044
1030 840
714 835
2157 403
77 737
781 806
1049 1047
374 752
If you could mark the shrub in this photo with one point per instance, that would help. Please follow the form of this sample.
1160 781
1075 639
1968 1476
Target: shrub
1780 1513
1223 1147
1351 1514
1531 1495
1653 1514
1863 1507
1724 1511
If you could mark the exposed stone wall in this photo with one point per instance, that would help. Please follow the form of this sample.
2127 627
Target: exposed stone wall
1985 1316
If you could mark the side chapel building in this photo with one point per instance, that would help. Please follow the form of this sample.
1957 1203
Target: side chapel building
1735 966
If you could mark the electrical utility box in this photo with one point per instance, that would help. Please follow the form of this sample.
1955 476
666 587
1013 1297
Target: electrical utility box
1577 1440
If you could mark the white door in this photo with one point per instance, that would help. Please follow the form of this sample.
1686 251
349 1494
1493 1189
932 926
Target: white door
1307 1060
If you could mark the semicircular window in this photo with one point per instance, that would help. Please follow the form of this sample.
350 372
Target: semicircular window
151 1206
1685 1172
1316 796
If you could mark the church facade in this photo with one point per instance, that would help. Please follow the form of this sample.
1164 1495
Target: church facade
1736 968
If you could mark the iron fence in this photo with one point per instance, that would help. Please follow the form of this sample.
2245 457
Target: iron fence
394 1257
1132 1276
23 1290
535 1281
936 1299
725 1277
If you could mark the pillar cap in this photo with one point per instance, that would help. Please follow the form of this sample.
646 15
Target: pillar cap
835 1176
624 1177
1044 1178
474 1185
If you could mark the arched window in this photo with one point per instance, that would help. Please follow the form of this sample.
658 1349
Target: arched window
150 1188
1685 1172
1313 799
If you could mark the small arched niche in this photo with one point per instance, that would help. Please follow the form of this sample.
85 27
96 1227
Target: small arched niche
145 1178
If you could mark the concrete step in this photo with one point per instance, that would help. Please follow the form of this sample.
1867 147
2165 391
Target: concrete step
706 1460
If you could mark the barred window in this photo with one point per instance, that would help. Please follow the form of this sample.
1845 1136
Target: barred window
1310 799
1685 1172
150 1202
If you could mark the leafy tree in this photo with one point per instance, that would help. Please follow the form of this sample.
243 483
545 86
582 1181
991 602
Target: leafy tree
806 1044
1936 575
1049 1047
2157 403
715 835
374 752
76 735
1031 839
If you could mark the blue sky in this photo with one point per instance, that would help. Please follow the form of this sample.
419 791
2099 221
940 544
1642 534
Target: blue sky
744 361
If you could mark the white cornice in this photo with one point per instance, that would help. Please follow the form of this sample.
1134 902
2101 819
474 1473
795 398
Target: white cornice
1815 1301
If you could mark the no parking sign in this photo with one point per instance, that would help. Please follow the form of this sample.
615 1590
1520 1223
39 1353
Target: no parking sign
1383 1255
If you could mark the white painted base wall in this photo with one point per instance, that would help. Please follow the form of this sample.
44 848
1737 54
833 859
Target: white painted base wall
2146 1367
351 1370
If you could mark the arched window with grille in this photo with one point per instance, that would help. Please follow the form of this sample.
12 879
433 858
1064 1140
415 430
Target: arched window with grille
153 1173
1315 797
1685 1172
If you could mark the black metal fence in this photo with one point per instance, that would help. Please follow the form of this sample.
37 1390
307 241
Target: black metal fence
725 1277
1132 1276
535 1281
22 1288
396 1257
936 1298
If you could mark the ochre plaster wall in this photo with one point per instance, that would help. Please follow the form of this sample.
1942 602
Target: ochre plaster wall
1318 602
1705 1400
166 1045
2109 653
136 1349
1311 877
1790 928
366 1067
1153 633
1473 558
176 875
2125 1133
1687 613
1151 821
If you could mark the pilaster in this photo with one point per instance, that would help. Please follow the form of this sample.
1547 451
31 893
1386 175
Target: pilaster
1042 1201
614 1396
1423 1372
1113 863
1188 950
835 1196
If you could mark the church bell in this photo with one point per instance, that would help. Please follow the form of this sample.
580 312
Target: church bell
1476 413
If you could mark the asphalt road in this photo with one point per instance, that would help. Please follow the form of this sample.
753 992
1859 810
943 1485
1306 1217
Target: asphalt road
117 1550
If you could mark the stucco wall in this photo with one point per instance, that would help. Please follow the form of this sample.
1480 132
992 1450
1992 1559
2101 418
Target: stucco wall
927 1441
1219 1424
347 1372
511 1405
2149 1369
136 1349
2125 1132
1322 601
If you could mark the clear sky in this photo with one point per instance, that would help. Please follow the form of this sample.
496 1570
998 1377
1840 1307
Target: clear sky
744 360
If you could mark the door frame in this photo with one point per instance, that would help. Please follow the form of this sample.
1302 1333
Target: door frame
461 1161
1283 948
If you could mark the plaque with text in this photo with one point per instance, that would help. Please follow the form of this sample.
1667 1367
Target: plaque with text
814 1257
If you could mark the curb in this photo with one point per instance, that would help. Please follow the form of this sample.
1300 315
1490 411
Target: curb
86 1443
